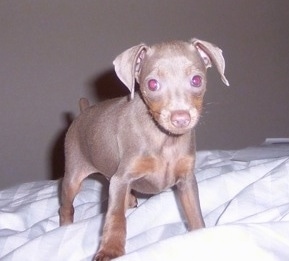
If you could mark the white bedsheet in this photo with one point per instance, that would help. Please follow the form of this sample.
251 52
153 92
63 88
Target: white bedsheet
245 205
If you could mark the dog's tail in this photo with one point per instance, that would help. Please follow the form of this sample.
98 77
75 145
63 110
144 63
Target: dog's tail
83 104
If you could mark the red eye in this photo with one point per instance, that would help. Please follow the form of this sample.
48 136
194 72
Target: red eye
153 85
196 81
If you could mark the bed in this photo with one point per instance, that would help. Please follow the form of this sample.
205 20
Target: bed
244 198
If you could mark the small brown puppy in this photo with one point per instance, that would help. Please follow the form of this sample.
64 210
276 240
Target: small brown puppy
146 144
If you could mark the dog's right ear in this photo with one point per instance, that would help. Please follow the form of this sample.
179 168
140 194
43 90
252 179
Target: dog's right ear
127 65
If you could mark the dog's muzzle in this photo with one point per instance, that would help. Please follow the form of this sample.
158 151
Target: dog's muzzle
178 121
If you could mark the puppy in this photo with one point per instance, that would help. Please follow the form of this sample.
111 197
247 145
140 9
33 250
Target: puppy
146 143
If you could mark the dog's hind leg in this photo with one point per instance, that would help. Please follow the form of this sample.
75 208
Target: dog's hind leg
76 170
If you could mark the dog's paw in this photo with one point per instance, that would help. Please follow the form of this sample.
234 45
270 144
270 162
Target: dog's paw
103 255
100 256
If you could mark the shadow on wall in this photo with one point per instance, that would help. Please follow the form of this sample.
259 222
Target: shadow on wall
106 86
57 150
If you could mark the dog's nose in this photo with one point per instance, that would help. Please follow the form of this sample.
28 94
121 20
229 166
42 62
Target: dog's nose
180 119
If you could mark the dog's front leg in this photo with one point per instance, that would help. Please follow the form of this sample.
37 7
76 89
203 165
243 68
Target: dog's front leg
114 231
189 197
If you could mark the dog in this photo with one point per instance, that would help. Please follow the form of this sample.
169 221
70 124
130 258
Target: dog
145 143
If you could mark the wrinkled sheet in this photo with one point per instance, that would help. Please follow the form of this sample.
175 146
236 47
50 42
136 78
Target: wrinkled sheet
245 205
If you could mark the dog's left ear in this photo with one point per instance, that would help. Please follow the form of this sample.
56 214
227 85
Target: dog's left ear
211 53
127 65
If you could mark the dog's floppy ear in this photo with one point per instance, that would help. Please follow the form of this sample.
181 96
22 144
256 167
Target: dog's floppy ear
127 65
211 53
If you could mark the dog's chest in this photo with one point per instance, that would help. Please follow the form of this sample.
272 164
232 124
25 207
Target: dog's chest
154 173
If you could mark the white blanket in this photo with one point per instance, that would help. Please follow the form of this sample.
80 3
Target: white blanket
245 205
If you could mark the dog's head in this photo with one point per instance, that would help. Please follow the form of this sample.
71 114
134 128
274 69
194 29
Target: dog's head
172 79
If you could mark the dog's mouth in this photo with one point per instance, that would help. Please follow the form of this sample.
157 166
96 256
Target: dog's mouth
176 122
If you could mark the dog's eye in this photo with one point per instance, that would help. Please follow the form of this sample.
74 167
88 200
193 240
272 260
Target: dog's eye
153 85
196 81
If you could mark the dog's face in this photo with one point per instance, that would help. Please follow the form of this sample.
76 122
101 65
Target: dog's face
172 79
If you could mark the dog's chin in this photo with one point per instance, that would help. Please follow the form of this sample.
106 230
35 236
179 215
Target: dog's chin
171 130
178 131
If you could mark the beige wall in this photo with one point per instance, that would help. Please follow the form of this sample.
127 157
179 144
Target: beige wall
53 52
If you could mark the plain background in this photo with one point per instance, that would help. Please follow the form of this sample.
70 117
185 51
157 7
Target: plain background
54 52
